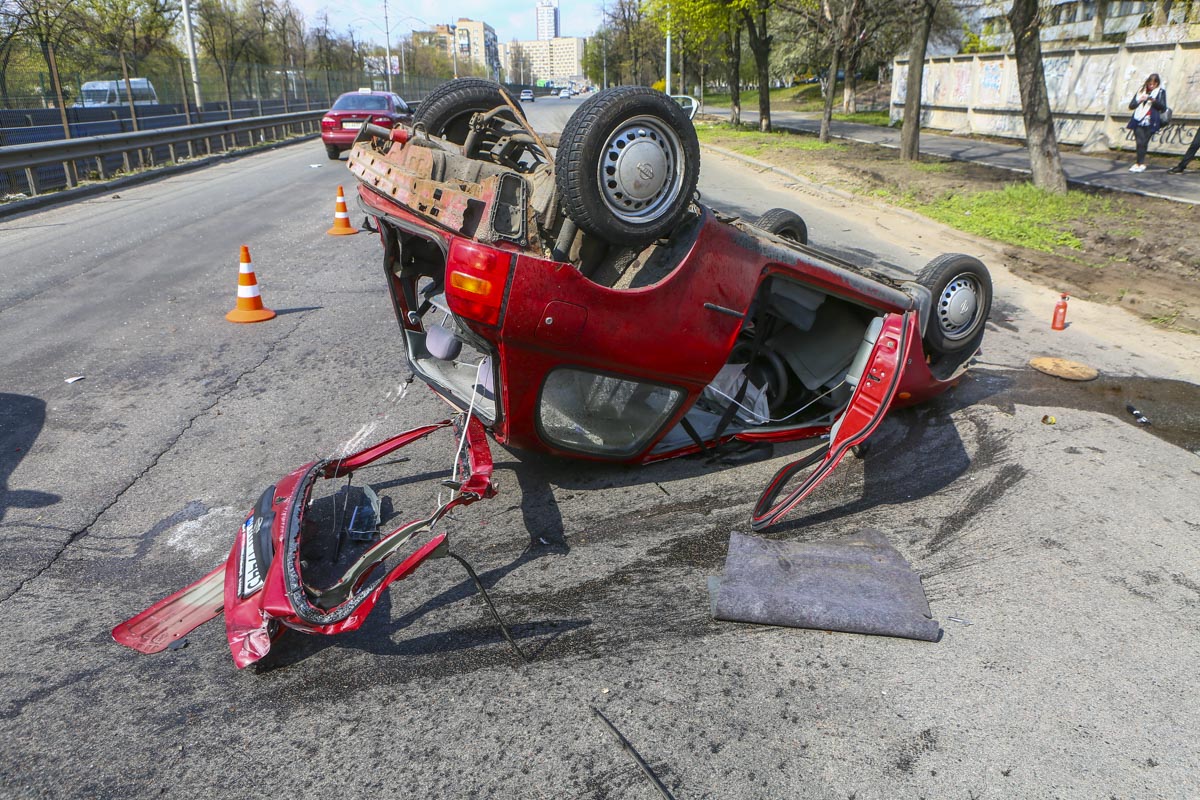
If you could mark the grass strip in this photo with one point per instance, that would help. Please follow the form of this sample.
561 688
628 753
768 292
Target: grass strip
1019 214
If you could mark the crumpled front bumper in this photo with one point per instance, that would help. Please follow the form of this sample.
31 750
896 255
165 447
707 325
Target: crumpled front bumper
263 588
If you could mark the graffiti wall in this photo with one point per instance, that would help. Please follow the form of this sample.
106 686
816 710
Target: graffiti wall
1089 90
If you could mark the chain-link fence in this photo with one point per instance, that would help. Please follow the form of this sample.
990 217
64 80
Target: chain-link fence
161 92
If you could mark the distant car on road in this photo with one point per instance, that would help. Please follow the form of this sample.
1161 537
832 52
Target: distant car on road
565 92
527 96
352 110
115 93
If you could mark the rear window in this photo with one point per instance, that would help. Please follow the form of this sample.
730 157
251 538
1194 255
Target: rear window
360 102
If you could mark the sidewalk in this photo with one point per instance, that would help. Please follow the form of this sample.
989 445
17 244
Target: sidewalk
1106 172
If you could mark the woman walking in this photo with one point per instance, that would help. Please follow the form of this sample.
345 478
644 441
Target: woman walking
1147 105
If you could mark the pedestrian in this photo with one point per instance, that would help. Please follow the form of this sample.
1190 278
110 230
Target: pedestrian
1189 155
1147 104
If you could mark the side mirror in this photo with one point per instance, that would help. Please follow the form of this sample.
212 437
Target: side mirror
689 104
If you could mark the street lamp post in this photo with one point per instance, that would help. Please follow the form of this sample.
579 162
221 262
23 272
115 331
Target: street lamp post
387 44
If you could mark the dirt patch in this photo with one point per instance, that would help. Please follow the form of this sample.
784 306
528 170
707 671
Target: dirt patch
1141 253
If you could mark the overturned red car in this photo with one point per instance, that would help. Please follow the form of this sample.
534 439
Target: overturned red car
574 294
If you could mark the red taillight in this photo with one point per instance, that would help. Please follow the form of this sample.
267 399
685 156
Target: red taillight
384 121
327 123
475 278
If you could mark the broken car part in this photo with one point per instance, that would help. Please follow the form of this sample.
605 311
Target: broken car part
266 585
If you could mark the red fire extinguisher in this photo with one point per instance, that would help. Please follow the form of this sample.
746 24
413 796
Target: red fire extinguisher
1060 314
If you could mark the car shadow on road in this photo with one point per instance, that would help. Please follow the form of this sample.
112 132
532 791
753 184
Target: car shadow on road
21 421
917 452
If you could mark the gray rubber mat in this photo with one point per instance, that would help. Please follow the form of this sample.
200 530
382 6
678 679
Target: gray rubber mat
857 584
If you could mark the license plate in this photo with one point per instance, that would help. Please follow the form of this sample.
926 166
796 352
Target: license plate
352 126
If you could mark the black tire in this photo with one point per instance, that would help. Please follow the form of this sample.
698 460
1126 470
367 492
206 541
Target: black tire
607 193
784 224
333 152
962 299
448 109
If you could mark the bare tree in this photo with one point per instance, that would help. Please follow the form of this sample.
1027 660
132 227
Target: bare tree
733 53
841 16
910 133
1044 161
754 18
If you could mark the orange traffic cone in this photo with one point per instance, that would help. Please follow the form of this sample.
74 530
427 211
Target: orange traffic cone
341 218
249 301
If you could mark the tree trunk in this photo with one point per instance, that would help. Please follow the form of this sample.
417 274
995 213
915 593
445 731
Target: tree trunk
827 111
850 88
910 133
1097 35
735 70
760 45
1040 138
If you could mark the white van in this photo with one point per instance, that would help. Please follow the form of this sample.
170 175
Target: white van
112 93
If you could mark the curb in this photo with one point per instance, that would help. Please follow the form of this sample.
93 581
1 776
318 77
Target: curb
1018 170
18 207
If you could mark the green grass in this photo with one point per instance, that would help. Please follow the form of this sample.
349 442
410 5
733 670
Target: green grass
1019 214
754 142
793 98
880 118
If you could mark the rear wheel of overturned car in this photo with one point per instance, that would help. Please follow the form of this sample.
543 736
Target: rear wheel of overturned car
627 165
784 224
962 299
333 152
448 109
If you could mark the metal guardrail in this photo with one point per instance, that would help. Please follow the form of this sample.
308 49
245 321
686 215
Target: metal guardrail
31 160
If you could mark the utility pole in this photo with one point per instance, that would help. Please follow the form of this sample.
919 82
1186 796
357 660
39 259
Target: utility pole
668 50
190 44
604 44
387 43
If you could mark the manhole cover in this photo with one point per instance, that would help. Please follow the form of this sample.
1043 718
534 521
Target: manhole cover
1062 368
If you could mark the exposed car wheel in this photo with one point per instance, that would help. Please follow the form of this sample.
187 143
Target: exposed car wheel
627 165
333 152
448 109
784 224
962 299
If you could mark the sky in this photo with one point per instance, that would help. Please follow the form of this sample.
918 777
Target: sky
512 19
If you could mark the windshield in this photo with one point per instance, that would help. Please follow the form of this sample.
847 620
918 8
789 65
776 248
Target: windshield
94 96
360 102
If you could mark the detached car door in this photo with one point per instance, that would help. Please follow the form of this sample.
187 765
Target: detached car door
877 385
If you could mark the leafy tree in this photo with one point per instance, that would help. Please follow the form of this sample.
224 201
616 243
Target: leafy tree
137 28
45 23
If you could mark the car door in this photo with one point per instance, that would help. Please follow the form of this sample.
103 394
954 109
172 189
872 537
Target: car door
867 407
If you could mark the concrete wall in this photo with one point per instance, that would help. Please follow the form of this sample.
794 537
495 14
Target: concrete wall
1089 89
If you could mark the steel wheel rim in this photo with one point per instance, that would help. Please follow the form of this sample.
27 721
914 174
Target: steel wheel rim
958 306
640 171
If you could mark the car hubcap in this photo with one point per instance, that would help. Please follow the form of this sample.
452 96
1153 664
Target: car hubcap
639 171
958 307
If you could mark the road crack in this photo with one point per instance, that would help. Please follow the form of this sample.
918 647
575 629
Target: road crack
170 445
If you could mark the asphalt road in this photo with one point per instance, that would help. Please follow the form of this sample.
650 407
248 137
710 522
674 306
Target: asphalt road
1061 559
